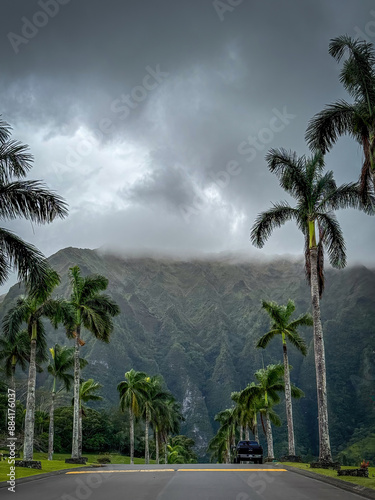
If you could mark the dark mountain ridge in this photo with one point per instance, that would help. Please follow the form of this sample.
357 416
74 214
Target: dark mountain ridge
197 322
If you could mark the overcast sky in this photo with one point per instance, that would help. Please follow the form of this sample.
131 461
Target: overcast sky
139 114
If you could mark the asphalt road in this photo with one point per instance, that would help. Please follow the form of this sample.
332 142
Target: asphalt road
179 482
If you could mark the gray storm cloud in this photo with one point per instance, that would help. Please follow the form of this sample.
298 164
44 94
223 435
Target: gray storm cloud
153 118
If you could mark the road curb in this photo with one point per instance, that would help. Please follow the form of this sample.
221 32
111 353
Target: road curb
353 488
36 477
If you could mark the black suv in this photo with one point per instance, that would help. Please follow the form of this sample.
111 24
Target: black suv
249 451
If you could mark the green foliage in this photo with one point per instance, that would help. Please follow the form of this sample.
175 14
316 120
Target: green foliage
104 459
204 343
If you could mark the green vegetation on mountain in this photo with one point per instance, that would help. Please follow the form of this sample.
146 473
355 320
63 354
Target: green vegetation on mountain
197 324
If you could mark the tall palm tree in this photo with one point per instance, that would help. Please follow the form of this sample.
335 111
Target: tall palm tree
165 419
317 197
30 310
92 310
60 364
356 119
133 393
155 398
87 390
281 325
26 199
270 384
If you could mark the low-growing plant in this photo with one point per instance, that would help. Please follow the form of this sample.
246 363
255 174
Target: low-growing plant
104 459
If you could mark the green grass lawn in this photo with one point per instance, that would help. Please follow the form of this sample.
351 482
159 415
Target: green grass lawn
58 463
360 481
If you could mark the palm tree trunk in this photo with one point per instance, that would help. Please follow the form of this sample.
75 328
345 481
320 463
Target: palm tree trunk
256 433
247 433
131 416
30 404
80 433
320 363
51 426
157 446
288 400
166 450
147 449
241 432
13 378
75 441
269 438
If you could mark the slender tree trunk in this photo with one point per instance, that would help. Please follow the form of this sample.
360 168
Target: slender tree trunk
256 433
157 446
13 377
241 432
75 441
51 424
147 449
288 400
131 416
80 432
166 452
269 437
320 363
30 404
247 433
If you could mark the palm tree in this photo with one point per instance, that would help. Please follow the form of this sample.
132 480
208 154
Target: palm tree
26 199
133 393
30 310
13 352
155 398
169 422
228 423
270 383
92 310
87 390
281 325
218 446
61 362
356 119
317 197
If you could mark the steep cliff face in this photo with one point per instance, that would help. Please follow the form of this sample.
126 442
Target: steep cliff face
197 323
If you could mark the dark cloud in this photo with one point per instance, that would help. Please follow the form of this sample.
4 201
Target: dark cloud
142 114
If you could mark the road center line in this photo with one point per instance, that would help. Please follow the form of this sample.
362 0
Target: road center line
172 470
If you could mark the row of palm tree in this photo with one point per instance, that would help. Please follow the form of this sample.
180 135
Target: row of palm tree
261 397
87 308
256 399
317 195
145 397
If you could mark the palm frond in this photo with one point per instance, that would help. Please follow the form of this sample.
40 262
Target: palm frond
333 240
15 160
31 200
266 339
294 338
267 221
326 126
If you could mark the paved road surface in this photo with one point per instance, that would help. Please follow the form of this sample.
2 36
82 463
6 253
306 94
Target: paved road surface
179 482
